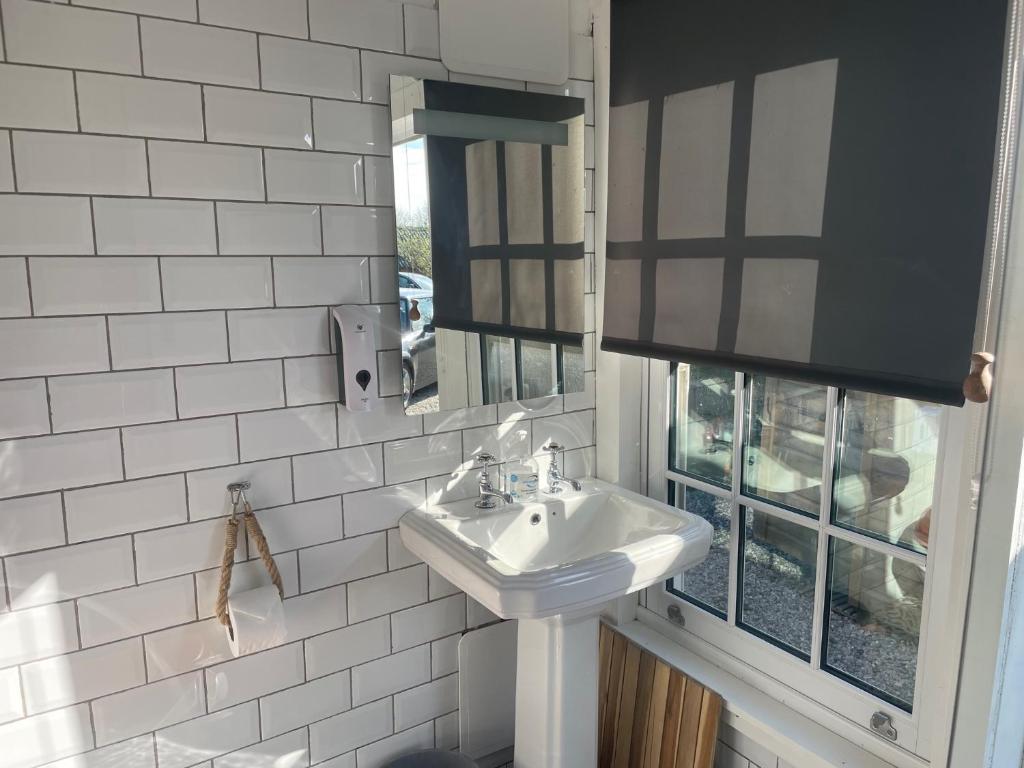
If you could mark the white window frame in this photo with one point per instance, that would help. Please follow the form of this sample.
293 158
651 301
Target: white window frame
923 735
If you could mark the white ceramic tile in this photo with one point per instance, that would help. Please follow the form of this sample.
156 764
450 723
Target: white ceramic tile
35 224
6 168
444 656
206 390
310 380
383 285
222 283
11 707
426 702
37 633
252 117
381 508
139 107
168 339
457 485
207 737
439 586
34 97
83 286
40 739
60 574
208 171
422 456
199 54
398 555
581 57
271 487
64 162
344 126
397 672
291 749
331 280
386 422
109 510
137 752
378 67
136 610
148 708
463 418
182 649
171 9
23 409
14 301
299 67
37 464
387 593
342 561
268 434
477 615
111 399
381 753
422 37
251 676
347 647
446 731
431 621
130 227
62 36
301 525
258 228
295 707
332 472
363 23
504 441
278 17
315 613
313 177
343 733
571 430
354 231
65 680
278 333
179 446
380 183
251 574
32 522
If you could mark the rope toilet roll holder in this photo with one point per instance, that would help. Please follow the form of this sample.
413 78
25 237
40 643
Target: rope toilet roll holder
252 527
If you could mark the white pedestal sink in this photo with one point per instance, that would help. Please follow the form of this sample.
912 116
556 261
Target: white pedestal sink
552 564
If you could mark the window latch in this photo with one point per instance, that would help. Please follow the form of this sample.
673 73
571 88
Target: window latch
675 615
881 724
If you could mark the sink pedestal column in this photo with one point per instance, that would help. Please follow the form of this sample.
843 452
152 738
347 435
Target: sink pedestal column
556 692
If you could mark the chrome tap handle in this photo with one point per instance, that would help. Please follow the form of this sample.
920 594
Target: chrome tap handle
484 461
553 448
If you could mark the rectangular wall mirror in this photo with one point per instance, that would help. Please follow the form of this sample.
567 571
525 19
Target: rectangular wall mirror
489 210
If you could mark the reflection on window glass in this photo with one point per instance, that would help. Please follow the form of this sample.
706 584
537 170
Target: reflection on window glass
785 442
572 369
708 583
888 449
539 372
874 620
499 366
777 577
705 402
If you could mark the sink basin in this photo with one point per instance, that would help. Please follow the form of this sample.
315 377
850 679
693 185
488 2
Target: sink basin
552 564
560 555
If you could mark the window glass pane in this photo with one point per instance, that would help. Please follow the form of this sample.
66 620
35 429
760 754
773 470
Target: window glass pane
874 620
785 442
705 402
500 369
572 369
888 450
777 580
538 361
708 583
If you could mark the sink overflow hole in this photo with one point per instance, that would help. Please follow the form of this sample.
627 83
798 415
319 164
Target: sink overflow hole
534 519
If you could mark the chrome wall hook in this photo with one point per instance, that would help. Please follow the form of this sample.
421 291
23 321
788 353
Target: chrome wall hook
237 491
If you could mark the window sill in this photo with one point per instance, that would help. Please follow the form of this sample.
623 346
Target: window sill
792 736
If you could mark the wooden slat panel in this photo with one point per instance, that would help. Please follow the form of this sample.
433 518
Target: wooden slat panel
650 715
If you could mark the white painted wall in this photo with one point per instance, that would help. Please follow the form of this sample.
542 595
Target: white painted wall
191 185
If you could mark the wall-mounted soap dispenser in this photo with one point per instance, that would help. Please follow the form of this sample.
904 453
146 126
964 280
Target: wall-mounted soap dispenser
355 341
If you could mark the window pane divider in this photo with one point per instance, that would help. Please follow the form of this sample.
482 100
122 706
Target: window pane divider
878 545
700 485
824 517
739 436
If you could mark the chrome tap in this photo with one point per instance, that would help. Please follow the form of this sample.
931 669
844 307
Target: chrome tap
489 495
555 478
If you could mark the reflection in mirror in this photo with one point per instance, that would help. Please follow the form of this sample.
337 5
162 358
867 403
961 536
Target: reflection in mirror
489 211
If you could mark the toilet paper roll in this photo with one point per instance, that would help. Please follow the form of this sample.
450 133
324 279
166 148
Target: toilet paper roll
257 617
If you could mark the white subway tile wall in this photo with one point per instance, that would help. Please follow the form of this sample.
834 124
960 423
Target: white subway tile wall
186 186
